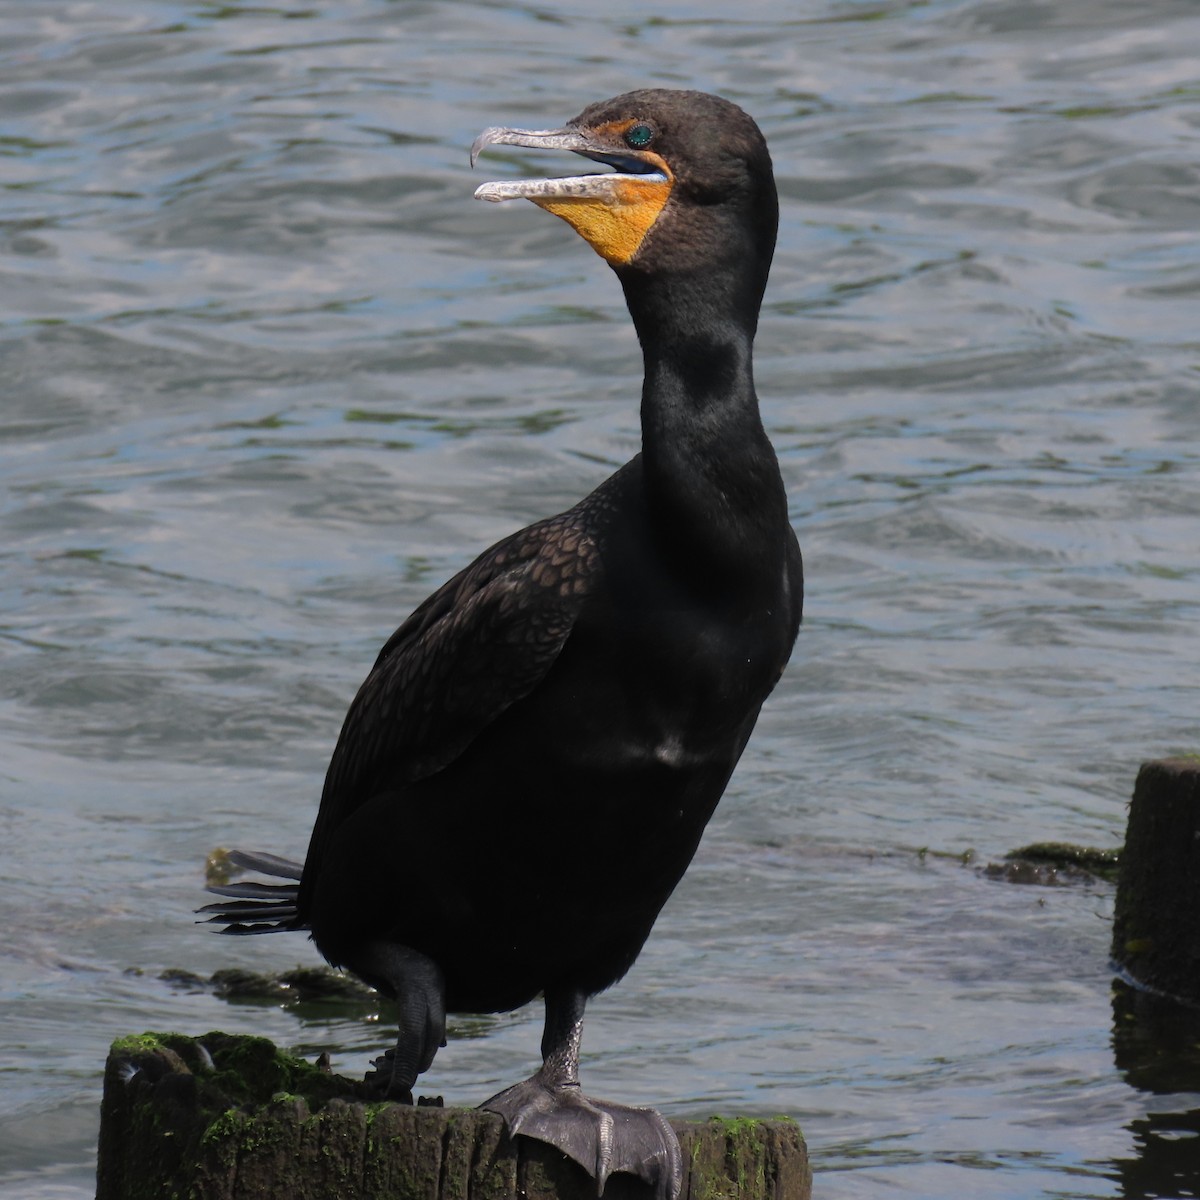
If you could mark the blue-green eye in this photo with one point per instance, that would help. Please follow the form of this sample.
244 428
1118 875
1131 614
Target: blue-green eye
639 136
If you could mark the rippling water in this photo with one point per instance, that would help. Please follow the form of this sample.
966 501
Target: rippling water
270 375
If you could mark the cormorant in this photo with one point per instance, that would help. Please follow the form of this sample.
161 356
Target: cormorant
525 774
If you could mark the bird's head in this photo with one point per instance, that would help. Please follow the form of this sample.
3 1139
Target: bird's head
692 184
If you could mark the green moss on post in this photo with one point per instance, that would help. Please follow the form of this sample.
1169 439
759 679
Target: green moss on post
224 1117
732 1159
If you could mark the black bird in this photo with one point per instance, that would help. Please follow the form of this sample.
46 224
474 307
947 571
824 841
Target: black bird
526 772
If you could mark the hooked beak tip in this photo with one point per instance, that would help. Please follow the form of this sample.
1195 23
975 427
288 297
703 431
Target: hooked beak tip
478 144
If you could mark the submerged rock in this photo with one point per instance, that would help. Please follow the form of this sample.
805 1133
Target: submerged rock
1052 864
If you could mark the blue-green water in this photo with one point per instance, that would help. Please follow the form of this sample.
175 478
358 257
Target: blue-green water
270 374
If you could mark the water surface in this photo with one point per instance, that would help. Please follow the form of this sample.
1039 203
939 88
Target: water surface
271 375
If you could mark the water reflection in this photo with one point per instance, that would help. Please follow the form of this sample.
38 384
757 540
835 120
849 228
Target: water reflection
1156 1046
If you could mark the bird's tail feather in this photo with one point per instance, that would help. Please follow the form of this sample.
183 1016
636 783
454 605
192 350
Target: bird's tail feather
253 907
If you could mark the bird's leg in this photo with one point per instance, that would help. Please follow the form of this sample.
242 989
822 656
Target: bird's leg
601 1136
562 1037
420 991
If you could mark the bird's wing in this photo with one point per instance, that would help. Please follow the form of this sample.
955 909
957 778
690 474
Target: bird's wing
480 643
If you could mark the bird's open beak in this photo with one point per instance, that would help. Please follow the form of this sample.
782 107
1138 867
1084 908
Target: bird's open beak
630 166
612 211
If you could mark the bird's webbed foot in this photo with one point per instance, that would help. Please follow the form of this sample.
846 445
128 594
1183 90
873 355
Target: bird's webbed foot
601 1136
417 984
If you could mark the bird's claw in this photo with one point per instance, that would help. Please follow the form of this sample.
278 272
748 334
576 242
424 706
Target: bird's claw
381 1083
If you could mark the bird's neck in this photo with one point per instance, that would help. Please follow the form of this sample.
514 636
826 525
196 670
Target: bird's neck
713 485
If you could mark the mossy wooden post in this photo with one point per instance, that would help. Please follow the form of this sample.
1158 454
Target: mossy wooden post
1156 930
224 1117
